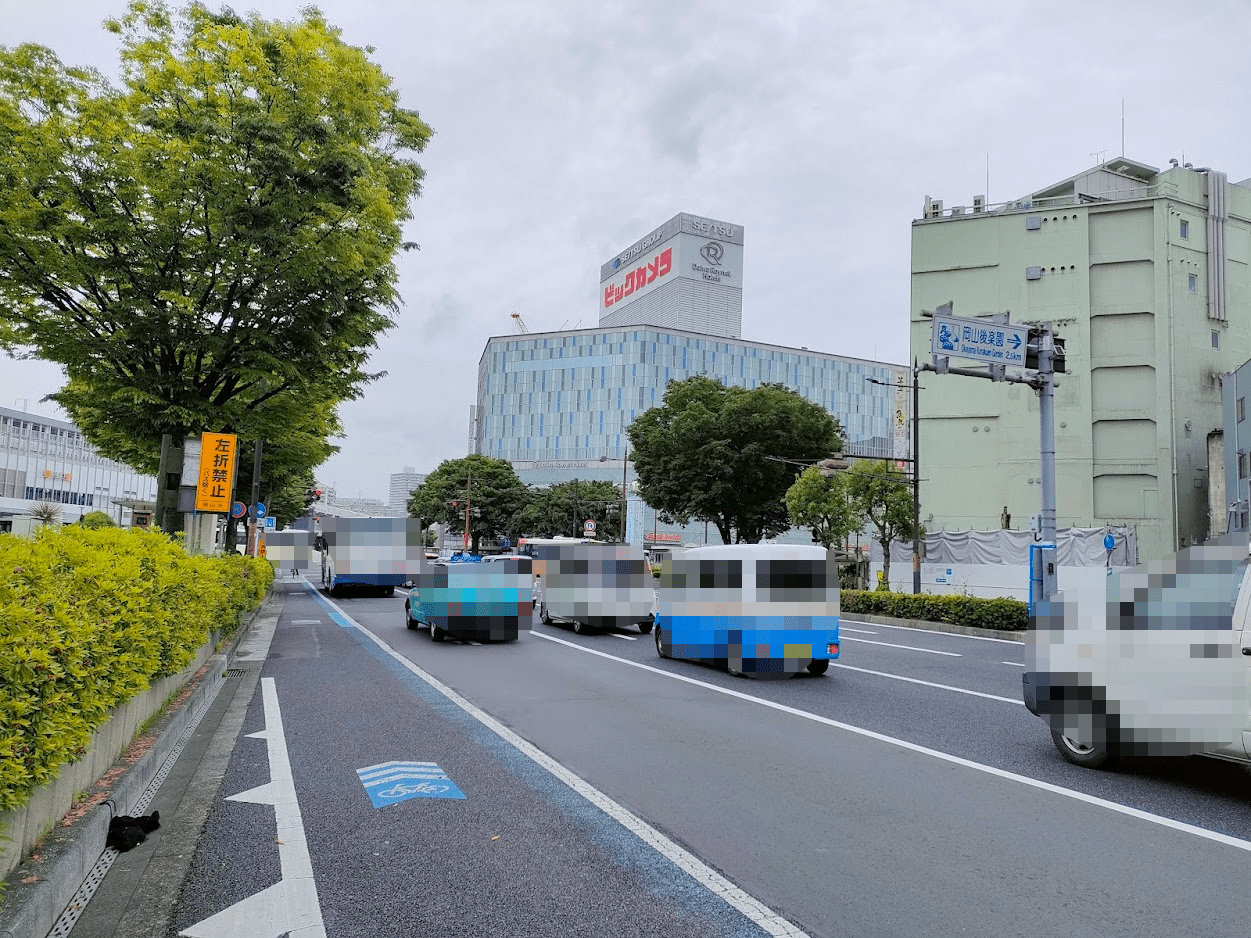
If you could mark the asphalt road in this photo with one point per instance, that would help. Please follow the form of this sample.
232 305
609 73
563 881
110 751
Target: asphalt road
905 792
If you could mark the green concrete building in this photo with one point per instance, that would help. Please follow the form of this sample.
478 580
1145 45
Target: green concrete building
1145 274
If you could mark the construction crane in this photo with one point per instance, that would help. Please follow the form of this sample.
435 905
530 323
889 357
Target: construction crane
521 324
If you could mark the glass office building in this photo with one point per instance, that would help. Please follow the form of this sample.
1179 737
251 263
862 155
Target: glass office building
556 405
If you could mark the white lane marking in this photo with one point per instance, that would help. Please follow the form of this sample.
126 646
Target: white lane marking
908 628
1013 664
914 680
760 914
291 904
931 651
844 628
628 638
401 591
926 751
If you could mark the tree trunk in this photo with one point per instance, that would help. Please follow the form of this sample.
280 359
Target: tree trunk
885 562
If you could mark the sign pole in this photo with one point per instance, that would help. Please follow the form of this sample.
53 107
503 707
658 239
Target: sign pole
256 498
916 478
1047 437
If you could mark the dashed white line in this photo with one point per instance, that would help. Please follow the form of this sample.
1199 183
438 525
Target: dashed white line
844 628
925 750
628 638
932 651
915 680
908 628
1013 664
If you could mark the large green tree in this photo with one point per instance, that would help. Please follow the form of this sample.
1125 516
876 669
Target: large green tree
821 501
726 454
563 508
209 236
882 494
489 487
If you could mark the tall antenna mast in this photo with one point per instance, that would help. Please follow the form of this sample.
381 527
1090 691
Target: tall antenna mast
1122 126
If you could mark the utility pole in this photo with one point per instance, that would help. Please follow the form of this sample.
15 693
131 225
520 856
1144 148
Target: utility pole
625 461
1047 438
468 501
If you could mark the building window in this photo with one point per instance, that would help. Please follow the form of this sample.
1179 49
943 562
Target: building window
1242 465
1192 282
1216 340
1185 229
1241 408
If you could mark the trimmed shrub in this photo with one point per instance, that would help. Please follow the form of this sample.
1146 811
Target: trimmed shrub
1007 615
88 619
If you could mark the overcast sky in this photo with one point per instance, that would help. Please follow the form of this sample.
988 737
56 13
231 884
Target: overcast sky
567 129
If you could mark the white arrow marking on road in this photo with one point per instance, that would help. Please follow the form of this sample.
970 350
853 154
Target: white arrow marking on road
290 906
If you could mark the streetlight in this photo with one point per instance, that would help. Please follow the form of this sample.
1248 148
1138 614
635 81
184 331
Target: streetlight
625 462
916 471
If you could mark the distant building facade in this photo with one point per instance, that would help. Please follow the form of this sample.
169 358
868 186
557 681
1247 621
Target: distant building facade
556 405
1233 506
402 485
1145 274
685 275
47 460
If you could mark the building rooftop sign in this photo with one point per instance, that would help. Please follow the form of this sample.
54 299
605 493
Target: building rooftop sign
683 223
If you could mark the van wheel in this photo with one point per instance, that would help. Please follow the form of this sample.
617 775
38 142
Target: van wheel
579 628
729 666
436 633
660 646
644 628
388 591
408 620
818 666
543 616
1089 757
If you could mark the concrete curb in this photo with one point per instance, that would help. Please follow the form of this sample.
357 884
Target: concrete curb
1002 634
68 853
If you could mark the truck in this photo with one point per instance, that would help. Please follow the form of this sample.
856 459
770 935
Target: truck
1154 662
374 554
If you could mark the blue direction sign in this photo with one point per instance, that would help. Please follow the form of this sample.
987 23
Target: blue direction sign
980 340
389 782
260 510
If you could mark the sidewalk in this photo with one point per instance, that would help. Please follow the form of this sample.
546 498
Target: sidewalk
174 769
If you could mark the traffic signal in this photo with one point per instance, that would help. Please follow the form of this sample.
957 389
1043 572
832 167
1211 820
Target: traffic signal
1031 353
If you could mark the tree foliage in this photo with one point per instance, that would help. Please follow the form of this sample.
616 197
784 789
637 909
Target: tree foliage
711 453
97 519
490 486
562 509
825 505
210 242
883 495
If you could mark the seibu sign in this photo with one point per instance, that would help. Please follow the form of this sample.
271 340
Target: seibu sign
642 276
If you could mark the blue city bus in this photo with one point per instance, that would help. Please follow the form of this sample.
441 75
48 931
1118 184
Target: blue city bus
767 611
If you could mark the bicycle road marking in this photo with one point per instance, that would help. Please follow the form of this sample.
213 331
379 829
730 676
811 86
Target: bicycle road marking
751 908
925 750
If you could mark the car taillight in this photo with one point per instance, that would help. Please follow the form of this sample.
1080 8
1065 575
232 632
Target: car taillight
831 648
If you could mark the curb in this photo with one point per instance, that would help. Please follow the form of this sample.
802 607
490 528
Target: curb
1003 635
69 853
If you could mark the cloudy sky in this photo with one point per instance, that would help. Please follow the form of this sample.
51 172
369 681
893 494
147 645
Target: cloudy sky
567 129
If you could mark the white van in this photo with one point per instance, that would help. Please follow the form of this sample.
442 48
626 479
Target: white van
1154 663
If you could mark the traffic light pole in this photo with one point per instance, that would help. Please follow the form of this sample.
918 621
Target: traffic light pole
1043 354
916 478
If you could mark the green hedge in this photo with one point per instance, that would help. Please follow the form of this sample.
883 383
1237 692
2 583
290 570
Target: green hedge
88 619
1009 615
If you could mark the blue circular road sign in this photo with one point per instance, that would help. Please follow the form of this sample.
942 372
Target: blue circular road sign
1109 542
238 510
260 510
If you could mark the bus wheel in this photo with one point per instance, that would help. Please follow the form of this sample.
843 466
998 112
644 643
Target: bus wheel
729 666
660 646
818 666
388 591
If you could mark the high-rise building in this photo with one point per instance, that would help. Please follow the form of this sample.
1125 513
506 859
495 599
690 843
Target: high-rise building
402 485
687 275
1145 275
